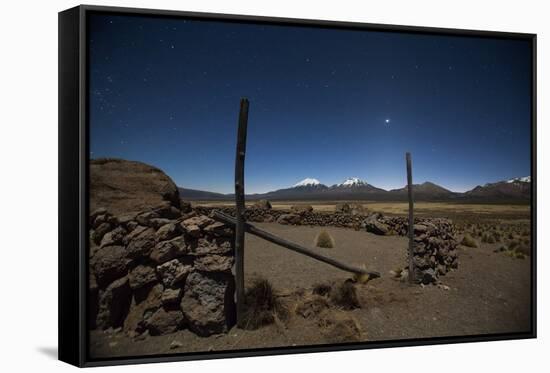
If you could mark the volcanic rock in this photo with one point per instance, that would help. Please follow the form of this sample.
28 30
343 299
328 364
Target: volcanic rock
128 186
207 303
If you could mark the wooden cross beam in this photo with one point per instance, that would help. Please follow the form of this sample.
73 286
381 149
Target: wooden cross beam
249 228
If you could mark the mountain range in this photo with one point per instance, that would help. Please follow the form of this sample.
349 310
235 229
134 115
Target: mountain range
517 190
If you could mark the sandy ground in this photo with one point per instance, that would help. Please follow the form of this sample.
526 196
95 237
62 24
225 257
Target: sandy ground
489 293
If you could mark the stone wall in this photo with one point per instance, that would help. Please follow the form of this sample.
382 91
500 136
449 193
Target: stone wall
434 244
160 270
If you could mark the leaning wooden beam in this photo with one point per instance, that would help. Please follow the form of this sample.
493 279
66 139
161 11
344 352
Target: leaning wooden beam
239 200
294 247
412 272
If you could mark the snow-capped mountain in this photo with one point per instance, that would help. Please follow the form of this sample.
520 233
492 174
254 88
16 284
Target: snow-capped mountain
512 190
518 188
307 182
351 182
525 179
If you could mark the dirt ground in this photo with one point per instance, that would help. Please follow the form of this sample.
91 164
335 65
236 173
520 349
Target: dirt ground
489 293
439 209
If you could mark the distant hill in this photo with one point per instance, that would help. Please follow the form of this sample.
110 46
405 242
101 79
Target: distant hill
201 195
517 189
425 191
513 190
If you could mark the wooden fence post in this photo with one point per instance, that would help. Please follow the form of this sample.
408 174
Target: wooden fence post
240 209
412 272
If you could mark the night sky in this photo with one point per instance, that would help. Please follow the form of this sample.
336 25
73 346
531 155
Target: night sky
324 103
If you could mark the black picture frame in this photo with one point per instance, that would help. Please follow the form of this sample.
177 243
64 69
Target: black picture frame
73 186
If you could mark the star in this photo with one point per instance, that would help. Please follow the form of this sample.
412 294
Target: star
387 120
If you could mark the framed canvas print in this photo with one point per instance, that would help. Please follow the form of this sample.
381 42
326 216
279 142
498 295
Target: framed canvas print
239 186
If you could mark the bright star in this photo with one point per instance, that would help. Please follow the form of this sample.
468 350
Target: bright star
387 121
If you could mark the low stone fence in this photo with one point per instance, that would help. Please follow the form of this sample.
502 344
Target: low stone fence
159 271
434 244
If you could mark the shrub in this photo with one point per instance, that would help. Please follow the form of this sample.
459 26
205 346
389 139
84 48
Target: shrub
468 241
345 296
324 239
513 244
262 307
321 289
524 249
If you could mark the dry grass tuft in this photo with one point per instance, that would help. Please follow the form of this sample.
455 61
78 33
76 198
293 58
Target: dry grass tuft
321 289
312 306
324 239
339 327
345 296
262 307
468 241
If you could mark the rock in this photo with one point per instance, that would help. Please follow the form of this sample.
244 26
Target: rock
98 211
100 231
428 276
167 232
114 303
159 222
167 211
129 187
108 264
164 322
206 246
142 244
185 206
373 225
301 209
421 262
207 303
145 301
126 219
140 276
168 250
342 208
291 219
200 221
171 296
214 263
262 204
145 218
192 230
419 228
219 229
175 344
113 237
143 336
136 231
100 219
173 272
